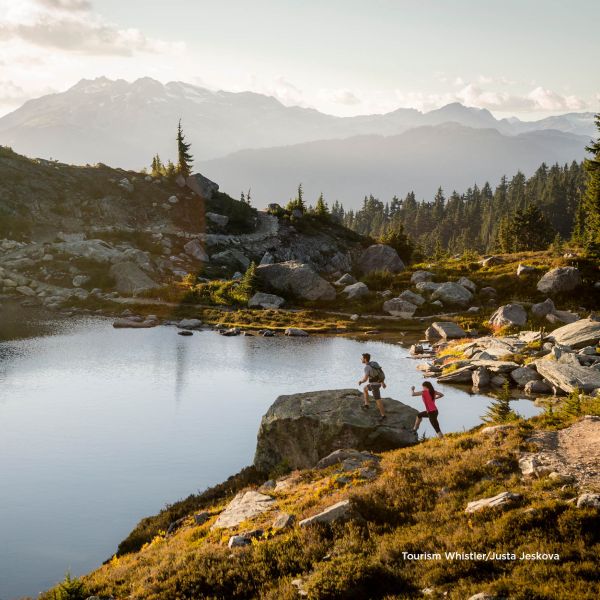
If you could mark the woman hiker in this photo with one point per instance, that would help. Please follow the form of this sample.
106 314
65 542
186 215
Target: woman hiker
429 396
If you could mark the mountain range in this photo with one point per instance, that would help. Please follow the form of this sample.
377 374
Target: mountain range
248 140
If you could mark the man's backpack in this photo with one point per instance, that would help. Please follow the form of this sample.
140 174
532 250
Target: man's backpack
377 374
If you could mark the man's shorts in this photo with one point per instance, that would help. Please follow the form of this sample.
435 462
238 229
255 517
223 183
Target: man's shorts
375 388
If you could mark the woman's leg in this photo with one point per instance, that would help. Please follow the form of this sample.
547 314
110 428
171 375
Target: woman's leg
433 419
419 419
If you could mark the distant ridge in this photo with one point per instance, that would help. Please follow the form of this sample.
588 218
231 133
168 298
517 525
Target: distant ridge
124 123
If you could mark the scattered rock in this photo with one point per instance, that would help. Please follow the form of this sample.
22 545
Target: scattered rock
345 454
284 521
185 333
509 315
244 506
130 279
524 269
411 297
380 257
345 279
341 511
399 308
195 250
237 541
189 324
541 309
220 220
449 330
561 279
262 300
500 500
480 378
300 429
488 292
231 258
420 276
523 375
297 279
295 332
588 500
80 280
537 387
134 324
427 287
453 294
356 291
467 283
492 261
562 316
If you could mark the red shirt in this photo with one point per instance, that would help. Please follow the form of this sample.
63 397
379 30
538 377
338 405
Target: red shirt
428 401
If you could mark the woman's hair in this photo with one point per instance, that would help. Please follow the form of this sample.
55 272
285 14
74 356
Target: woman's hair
429 386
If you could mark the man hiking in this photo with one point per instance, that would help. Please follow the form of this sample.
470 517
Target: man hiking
429 396
374 377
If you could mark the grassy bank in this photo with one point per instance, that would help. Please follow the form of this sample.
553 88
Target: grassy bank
415 505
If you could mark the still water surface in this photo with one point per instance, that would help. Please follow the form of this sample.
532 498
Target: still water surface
100 427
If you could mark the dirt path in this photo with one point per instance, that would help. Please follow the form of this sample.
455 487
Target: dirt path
574 452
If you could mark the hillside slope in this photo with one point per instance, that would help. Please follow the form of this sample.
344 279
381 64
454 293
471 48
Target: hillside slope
420 159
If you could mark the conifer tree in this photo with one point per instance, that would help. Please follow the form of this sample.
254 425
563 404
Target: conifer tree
591 198
184 158
321 209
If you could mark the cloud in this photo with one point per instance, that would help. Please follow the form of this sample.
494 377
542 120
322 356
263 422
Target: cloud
68 5
280 88
340 96
11 93
71 26
551 101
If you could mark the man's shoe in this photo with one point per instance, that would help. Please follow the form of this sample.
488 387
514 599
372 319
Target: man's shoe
382 417
365 407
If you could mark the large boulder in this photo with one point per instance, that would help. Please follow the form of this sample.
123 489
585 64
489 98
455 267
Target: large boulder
585 332
561 279
399 308
467 283
380 257
96 250
300 429
453 294
130 279
220 220
345 279
523 375
204 187
296 279
509 314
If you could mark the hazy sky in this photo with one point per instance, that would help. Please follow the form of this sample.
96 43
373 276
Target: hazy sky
530 58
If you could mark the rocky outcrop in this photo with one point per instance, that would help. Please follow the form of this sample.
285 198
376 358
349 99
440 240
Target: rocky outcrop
380 257
296 279
245 505
561 279
569 376
453 294
585 332
300 429
130 279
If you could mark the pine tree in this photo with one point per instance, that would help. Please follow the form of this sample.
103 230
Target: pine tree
298 202
248 197
248 282
184 158
591 198
321 209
